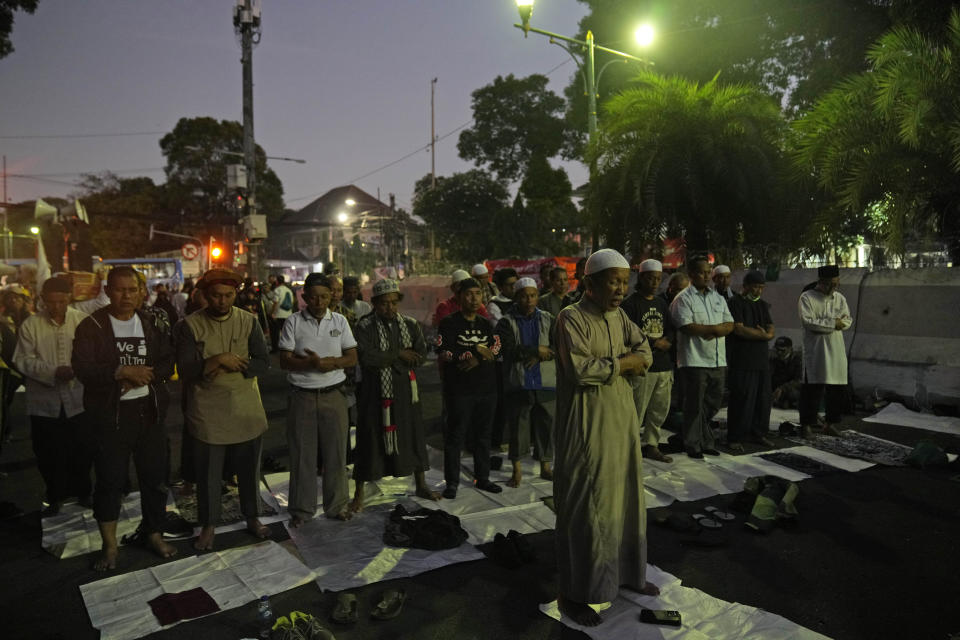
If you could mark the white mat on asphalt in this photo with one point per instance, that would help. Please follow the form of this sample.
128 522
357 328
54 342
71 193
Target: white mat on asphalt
704 617
897 414
776 417
74 532
118 606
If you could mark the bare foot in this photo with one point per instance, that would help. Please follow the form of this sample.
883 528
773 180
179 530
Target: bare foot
107 559
579 612
204 541
296 521
257 528
546 472
357 505
427 494
344 515
515 479
156 544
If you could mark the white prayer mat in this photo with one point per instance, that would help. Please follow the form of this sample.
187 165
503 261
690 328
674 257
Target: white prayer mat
687 479
525 518
749 466
703 616
232 519
776 417
74 531
897 414
346 555
118 606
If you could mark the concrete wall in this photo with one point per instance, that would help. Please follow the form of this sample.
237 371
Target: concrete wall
905 340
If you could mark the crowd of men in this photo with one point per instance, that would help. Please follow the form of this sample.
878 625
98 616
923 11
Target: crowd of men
583 380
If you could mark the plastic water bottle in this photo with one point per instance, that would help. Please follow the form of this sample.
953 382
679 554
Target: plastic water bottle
264 617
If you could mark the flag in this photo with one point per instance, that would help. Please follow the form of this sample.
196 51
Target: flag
43 210
43 267
81 211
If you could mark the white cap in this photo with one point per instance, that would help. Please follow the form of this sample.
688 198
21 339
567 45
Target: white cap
720 269
525 283
603 260
479 270
458 276
650 265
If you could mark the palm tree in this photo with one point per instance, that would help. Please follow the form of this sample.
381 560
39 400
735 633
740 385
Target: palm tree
677 157
884 145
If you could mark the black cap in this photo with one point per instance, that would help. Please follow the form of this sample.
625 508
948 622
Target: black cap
783 342
828 271
754 277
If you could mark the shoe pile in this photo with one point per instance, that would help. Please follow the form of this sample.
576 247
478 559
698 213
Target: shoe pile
300 626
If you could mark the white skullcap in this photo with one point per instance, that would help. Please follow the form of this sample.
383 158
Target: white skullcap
525 283
650 265
479 270
720 269
603 260
458 276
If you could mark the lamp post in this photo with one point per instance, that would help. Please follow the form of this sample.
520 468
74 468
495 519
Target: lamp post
586 63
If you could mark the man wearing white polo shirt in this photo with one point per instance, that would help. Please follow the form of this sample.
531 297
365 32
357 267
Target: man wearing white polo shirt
316 345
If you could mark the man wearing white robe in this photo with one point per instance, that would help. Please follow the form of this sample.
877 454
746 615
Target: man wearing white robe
598 477
824 315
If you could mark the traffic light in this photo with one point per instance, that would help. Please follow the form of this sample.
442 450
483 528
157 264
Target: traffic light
215 252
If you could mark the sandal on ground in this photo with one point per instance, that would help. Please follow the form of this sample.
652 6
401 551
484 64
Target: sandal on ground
390 604
717 514
345 612
706 522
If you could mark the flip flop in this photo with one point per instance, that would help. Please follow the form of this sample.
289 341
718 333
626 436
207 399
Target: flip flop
390 604
718 514
346 610
706 522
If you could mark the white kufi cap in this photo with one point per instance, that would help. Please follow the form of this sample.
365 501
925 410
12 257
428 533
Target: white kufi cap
650 265
458 276
720 269
479 270
603 260
525 283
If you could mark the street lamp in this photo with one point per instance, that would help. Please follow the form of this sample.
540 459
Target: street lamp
35 230
585 62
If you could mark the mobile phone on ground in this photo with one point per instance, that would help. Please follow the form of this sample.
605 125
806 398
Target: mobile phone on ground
653 616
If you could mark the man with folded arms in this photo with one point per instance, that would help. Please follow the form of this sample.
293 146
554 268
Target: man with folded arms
220 352
121 359
316 345
598 478
703 320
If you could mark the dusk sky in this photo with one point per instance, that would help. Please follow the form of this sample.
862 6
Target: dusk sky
343 84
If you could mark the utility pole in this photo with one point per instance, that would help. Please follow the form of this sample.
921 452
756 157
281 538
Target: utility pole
433 138
246 22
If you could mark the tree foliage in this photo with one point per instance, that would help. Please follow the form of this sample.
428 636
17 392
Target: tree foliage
884 145
515 121
121 211
7 7
681 158
795 50
197 176
460 210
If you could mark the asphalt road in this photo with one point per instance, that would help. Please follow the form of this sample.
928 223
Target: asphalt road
873 556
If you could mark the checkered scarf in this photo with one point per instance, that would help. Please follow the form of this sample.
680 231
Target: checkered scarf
386 381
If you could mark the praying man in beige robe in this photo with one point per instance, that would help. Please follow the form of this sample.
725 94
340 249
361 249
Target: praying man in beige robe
598 479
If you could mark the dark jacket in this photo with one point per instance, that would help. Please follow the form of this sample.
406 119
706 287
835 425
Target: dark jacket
95 361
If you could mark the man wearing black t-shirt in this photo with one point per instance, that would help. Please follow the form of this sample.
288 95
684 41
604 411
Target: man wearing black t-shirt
467 347
651 391
748 368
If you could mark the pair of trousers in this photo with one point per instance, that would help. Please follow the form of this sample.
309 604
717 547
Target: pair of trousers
312 418
276 326
64 454
136 433
209 460
468 416
702 394
748 414
651 395
528 411
810 397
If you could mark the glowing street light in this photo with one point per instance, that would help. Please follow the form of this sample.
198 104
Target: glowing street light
583 53
342 217
644 35
35 230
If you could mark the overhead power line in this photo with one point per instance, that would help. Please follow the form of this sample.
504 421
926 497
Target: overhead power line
82 135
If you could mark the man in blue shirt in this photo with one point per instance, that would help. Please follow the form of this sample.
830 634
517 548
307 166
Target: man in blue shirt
703 320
